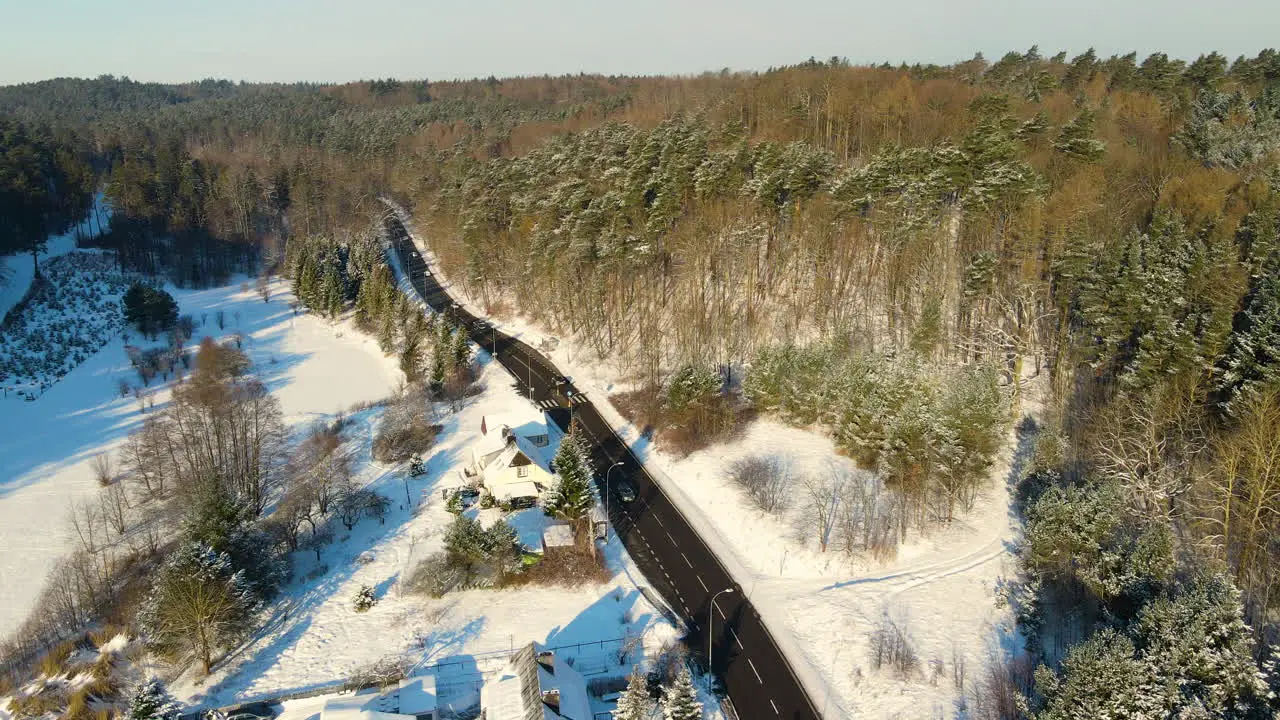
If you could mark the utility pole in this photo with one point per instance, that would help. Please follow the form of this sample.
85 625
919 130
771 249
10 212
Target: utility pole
710 620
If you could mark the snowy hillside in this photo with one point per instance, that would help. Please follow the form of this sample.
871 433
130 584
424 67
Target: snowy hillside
316 637
314 367
17 271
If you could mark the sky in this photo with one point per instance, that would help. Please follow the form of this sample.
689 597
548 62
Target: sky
344 40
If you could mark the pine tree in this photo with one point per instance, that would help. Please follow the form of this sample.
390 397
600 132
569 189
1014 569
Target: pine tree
571 498
150 701
1076 139
680 701
635 703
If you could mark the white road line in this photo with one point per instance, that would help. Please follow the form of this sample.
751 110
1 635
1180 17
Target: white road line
735 639
655 517
757 672
775 707
673 540
722 617
704 585
686 560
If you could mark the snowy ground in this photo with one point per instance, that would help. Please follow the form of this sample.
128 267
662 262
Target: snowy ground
315 637
942 586
313 366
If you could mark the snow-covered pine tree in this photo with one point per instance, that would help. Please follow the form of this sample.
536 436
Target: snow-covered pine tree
680 701
364 599
571 498
150 701
635 703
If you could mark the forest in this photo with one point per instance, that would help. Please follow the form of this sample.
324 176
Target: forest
835 233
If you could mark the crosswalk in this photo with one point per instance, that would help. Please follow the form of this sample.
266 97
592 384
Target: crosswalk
551 404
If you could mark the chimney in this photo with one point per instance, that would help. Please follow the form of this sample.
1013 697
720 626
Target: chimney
484 427
508 434
547 659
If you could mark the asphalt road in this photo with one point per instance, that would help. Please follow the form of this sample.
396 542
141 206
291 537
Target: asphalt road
672 557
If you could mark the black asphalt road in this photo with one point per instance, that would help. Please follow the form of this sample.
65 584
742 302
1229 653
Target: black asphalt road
673 558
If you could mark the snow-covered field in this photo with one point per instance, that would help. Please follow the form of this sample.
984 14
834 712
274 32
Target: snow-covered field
316 637
315 367
943 587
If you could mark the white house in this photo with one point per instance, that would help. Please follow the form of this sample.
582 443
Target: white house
513 460
535 685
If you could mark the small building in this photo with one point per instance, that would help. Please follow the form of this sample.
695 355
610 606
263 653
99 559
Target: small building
416 697
413 699
535 685
512 464
557 535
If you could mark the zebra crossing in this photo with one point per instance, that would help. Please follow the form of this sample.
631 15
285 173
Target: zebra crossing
552 404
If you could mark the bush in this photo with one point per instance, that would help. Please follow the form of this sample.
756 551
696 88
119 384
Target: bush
364 599
434 576
379 673
403 433
766 481
891 646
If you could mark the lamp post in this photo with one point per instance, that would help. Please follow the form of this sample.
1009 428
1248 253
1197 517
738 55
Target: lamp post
606 490
710 620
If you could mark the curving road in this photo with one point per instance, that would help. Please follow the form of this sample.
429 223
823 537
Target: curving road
673 558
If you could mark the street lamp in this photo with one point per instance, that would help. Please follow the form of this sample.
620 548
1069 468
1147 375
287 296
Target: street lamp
710 620
606 489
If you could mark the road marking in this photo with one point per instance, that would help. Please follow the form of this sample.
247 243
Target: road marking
673 540
655 517
704 585
775 707
722 617
735 639
686 562
757 672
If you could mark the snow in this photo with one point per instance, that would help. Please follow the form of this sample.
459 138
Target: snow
313 366
945 586
314 637
18 270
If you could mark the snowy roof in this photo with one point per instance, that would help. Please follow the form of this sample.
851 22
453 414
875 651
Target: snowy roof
494 442
535 685
557 535
359 707
418 695
521 489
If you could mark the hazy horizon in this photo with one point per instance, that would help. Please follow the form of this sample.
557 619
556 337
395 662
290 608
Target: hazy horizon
333 42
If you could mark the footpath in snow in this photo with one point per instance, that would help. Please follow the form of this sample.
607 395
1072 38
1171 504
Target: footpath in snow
944 588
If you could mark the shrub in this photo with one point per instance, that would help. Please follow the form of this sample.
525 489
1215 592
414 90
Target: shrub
891 646
434 576
766 481
364 599
379 673
401 436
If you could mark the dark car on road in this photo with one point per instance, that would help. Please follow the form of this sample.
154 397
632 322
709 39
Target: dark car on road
625 491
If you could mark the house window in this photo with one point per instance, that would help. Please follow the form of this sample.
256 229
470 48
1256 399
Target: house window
522 471
539 440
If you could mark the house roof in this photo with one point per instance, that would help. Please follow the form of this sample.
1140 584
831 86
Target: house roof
359 707
519 489
417 695
519 692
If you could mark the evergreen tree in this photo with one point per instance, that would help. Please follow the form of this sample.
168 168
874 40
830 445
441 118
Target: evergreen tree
1253 356
635 703
571 498
198 604
151 701
1076 139
467 544
680 701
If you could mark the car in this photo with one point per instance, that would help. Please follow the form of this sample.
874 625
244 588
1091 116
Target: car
625 491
